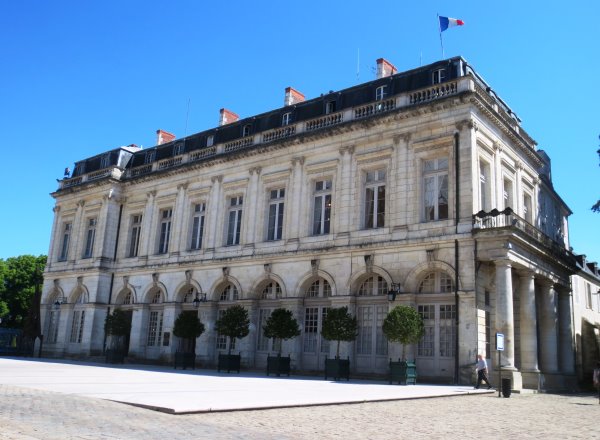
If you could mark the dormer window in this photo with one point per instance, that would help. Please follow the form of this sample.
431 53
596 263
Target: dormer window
105 161
246 130
380 93
330 107
210 141
286 119
150 155
439 76
178 149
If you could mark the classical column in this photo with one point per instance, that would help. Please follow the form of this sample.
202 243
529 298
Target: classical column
343 203
505 323
548 328
566 354
528 320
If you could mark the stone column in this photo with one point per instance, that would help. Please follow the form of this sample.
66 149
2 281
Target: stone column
548 328
343 203
528 319
566 354
505 323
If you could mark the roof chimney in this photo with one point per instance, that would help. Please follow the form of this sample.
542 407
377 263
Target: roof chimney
227 117
385 68
292 96
162 137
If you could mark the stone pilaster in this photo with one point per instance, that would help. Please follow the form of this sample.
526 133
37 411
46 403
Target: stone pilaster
295 199
146 244
213 229
178 235
343 204
252 200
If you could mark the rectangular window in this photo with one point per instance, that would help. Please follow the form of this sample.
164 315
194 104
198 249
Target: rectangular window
588 295
134 235
381 343
198 226
527 212
77 326
324 342
488 334
484 186
246 130
330 107
507 193
439 76
380 93
286 119
375 199
365 327
64 247
105 161
322 207
311 328
150 155
276 205
425 345
234 224
155 328
210 141
166 216
435 183
447 330
178 149
53 319
89 238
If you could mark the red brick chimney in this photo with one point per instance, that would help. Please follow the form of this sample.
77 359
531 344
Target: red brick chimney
162 137
385 68
292 96
227 117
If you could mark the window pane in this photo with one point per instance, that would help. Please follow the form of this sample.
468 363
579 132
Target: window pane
380 206
369 207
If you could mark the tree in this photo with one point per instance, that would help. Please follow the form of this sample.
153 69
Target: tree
403 324
339 326
18 279
281 325
188 327
234 323
117 325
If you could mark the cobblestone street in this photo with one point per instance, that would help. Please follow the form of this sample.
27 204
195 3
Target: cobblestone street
34 414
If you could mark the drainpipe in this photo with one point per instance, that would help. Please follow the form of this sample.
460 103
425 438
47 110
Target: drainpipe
112 276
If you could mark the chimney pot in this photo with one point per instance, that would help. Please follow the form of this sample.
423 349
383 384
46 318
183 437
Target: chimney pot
385 68
227 117
162 137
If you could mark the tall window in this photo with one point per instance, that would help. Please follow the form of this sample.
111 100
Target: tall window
435 182
178 149
64 246
134 240
375 199
198 226
77 326
155 328
507 191
374 285
234 224
380 93
447 330
166 216
53 320
89 238
425 346
322 207
276 204
439 76
312 327
527 212
485 201
370 338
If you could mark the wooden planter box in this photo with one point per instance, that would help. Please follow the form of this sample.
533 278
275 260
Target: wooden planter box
403 372
115 356
229 362
184 360
337 368
278 365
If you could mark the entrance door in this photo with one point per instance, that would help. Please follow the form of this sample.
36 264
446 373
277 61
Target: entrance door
371 344
437 349
314 347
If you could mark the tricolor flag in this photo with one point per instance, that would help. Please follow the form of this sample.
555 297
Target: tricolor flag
447 22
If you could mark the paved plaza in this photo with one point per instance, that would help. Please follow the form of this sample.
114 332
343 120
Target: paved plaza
60 400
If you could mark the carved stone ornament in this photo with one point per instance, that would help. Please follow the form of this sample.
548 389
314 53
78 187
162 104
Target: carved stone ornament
225 272
369 262
215 179
188 276
125 281
314 265
155 278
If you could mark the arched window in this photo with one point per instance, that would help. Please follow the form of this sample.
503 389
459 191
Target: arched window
128 298
229 293
436 282
374 285
156 297
189 296
271 291
319 288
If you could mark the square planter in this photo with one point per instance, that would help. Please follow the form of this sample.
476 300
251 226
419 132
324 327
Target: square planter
184 360
278 365
403 372
337 368
229 362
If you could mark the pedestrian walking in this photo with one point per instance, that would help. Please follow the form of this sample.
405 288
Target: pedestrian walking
481 368
597 379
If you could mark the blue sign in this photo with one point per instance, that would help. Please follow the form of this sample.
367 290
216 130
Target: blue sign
500 341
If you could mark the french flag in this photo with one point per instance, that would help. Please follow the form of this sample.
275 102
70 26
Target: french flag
447 22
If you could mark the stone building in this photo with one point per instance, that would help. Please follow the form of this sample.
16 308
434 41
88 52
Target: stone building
421 183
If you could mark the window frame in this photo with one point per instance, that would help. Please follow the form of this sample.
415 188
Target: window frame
373 200
135 232
165 227
438 76
234 220
381 92
276 213
197 225
90 238
436 173
322 206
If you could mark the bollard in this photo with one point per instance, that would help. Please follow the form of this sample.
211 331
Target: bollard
506 387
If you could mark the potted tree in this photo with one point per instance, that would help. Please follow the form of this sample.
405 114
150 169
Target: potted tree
280 326
403 324
339 326
117 326
233 323
187 328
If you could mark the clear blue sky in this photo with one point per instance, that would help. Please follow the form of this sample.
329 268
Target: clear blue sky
79 78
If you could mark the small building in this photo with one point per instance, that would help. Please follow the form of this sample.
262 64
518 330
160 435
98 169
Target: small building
422 184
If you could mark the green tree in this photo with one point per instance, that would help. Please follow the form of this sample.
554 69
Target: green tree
117 326
281 325
339 325
188 327
18 279
234 323
403 324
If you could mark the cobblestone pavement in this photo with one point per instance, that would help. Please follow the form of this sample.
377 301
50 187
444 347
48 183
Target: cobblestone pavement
35 414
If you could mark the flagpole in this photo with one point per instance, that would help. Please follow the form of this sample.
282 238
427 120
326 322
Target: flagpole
441 41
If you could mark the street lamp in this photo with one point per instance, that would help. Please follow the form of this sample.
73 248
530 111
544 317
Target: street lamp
196 302
394 290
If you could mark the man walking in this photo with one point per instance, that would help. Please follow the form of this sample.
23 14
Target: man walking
481 368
